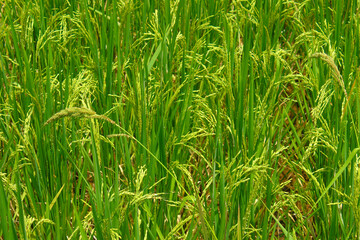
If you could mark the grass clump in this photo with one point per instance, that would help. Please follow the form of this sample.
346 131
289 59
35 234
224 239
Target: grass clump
179 119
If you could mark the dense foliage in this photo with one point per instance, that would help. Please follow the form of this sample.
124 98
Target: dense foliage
183 119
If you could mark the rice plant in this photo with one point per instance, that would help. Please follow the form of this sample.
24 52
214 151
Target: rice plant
179 119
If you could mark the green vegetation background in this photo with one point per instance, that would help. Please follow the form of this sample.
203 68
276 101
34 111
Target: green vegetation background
183 119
